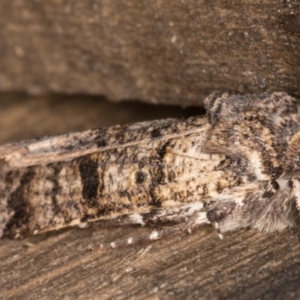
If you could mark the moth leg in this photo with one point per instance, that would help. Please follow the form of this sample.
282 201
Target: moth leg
195 221
173 214
217 227
123 220
187 217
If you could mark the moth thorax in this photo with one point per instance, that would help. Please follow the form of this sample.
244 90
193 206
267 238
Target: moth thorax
292 163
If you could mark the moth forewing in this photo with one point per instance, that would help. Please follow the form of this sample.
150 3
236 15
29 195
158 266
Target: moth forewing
68 146
222 170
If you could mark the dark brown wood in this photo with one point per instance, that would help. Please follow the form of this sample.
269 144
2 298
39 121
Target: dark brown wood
174 52
58 265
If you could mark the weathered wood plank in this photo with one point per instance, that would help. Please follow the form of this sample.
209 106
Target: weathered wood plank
174 52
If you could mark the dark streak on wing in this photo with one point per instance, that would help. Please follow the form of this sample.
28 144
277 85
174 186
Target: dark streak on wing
158 176
18 203
56 188
88 169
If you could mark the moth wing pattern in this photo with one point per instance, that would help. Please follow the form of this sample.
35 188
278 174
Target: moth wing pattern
237 168
63 147
264 130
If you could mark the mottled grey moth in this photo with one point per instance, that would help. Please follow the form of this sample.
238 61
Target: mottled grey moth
238 167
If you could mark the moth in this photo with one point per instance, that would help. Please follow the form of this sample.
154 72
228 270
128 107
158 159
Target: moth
238 167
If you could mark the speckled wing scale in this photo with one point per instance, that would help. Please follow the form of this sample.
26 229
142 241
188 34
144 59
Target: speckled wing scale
238 167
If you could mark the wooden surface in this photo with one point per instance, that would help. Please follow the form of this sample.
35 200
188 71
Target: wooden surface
58 265
161 51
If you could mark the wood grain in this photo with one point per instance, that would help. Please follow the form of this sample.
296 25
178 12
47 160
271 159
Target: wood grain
58 265
174 52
